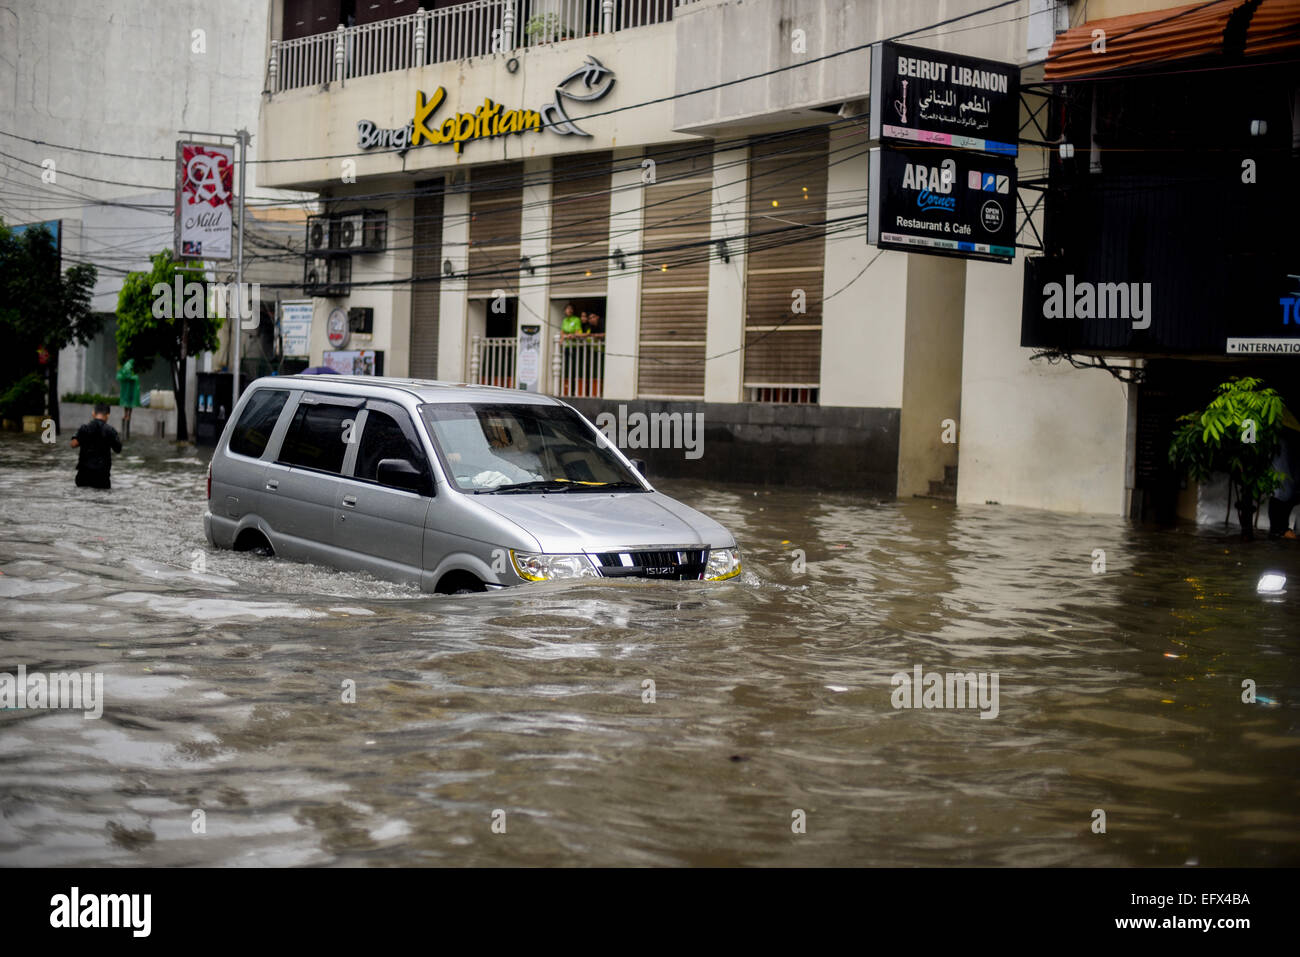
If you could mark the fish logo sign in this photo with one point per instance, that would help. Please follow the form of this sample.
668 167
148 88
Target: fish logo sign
594 77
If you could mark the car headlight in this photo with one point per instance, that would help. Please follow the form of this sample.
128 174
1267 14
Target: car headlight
724 563
536 567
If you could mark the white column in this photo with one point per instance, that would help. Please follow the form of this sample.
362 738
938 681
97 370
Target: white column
452 346
1033 434
535 244
864 325
623 294
725 323
393 317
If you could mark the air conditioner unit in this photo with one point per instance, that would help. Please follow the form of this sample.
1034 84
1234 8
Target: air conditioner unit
359 231
361 319
327 276
376 228
318 234
349 232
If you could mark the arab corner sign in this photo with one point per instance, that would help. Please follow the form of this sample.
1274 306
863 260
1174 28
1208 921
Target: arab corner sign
590 82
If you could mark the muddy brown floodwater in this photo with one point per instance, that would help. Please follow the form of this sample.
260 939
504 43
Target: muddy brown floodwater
223 674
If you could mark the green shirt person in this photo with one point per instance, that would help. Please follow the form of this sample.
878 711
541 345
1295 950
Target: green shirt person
572 323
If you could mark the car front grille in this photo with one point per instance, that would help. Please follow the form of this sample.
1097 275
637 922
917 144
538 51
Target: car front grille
676 564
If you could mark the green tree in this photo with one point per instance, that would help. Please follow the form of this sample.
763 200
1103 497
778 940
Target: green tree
1238 435
154 322
42 308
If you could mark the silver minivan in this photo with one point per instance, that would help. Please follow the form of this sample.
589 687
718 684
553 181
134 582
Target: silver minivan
455 488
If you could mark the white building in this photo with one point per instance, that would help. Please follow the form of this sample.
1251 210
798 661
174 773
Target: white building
695 171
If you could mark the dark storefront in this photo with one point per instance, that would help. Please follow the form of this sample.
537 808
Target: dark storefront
1173 233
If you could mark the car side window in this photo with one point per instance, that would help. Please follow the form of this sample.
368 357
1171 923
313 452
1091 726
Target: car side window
318 437
257 422
383 439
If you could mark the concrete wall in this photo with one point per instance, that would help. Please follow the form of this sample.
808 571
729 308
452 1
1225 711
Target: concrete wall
718 42
796 445
1030 433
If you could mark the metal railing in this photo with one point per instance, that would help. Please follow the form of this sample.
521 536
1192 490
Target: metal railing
492 361
474 28
578 365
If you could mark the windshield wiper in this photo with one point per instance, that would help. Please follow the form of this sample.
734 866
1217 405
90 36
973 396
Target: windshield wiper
542 485
611 487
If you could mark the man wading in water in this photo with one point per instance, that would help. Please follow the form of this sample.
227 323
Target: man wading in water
95 443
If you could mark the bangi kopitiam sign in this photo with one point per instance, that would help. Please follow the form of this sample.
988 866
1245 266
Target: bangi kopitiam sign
588 83
204 194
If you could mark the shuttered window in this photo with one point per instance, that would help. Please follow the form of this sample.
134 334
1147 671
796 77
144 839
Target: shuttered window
580 224
675 282
783 270
495 208
426 262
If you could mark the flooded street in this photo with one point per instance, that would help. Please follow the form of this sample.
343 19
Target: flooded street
225 674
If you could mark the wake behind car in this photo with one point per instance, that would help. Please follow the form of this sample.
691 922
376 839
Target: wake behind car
452 487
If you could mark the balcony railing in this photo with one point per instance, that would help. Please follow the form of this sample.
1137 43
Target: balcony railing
492 361
578 365
471 29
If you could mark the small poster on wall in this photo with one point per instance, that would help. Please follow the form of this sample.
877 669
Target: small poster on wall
530 355
355 361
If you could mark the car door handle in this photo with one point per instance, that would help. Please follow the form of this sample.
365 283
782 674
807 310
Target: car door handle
272 484
349 501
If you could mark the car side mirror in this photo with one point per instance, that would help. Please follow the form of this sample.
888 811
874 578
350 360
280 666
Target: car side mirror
400 473
638 464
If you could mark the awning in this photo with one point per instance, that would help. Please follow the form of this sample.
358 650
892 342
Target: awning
1213 29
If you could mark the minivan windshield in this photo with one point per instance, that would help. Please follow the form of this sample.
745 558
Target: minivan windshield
514 448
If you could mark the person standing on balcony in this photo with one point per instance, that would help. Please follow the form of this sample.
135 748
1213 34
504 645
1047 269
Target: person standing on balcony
596 362
570 326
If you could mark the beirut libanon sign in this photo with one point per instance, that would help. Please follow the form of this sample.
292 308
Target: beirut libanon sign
942 99
590 82
204 195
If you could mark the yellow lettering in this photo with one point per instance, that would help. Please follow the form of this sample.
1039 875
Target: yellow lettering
423 110
532 121
464 129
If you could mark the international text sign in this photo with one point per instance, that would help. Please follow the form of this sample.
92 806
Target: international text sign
204 196
945 202
924 96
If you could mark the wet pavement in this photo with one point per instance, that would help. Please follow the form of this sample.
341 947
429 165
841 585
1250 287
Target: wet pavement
224 678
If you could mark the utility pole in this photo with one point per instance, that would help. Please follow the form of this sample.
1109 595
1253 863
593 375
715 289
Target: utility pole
243 137
237 332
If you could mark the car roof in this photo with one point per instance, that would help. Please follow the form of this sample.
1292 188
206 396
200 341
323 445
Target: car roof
425 390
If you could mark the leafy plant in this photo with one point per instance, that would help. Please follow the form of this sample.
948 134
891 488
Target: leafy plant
41 308
90 398
24 397
149 326
1238 435
546 26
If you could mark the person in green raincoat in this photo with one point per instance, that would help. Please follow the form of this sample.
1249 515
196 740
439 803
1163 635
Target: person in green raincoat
128 390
